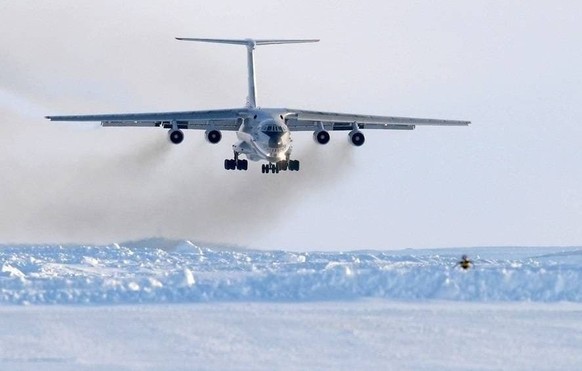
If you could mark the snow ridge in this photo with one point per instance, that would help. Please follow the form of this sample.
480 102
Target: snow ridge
118 274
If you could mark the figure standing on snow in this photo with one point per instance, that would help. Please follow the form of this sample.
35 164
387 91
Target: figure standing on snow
465 262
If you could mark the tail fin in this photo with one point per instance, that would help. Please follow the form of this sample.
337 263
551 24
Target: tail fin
250 44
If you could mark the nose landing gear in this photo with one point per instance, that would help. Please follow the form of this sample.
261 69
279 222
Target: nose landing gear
284 165
273 168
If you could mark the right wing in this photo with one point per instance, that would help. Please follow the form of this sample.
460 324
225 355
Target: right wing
301 120
225 119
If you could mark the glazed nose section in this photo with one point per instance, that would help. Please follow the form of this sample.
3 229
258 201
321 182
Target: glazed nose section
276 141
275 133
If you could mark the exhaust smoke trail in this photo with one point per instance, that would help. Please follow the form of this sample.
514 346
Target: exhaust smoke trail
80 183
114 184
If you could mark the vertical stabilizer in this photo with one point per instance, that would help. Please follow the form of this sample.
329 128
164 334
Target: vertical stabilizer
250 44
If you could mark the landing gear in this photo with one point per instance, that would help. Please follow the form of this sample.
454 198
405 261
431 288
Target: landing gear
293 165
236 164
273 168
284 165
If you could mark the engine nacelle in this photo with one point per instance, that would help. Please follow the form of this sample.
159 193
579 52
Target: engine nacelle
321 136
356 138
176 136
213 136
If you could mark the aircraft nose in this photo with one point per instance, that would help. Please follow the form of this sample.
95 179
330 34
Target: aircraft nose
274 143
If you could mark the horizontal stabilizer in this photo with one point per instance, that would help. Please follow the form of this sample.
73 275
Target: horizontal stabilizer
250 45
249 42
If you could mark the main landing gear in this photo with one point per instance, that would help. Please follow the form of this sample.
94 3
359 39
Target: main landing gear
273 168
236 164
284 165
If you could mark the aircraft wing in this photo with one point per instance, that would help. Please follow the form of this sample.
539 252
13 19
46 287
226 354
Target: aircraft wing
300 120
227 119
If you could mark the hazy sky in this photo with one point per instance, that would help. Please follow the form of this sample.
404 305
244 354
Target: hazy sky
514 177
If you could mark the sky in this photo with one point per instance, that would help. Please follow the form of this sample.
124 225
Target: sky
511 178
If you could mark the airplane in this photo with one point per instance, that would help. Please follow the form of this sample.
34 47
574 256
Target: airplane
264 134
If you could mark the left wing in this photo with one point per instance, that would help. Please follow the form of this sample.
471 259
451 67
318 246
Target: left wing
300 120
226 119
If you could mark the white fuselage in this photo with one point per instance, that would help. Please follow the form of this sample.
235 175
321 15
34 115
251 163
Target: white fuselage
264 136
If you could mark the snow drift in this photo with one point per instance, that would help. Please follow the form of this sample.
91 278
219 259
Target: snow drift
181 272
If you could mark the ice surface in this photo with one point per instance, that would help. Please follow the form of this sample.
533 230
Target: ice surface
160 271
348 335
174 305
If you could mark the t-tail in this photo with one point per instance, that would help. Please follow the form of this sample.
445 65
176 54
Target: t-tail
250 44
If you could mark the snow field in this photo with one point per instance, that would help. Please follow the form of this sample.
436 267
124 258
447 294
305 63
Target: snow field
348 335
86 275
167 305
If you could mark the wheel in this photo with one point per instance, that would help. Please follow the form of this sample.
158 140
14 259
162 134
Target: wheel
230 164
284 165
294 165
275 169
242 165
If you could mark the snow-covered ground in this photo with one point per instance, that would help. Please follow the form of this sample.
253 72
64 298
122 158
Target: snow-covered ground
174 305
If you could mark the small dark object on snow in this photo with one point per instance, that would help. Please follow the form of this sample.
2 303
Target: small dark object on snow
465 262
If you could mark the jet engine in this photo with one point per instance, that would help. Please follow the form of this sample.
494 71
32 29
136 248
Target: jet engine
321 136
213 136
356 137
176 136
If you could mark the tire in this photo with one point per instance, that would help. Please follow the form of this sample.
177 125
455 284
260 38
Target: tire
294 165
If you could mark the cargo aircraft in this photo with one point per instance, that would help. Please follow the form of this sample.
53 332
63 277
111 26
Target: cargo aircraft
264 134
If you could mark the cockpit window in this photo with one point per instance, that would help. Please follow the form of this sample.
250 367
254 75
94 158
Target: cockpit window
275 133
272 129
